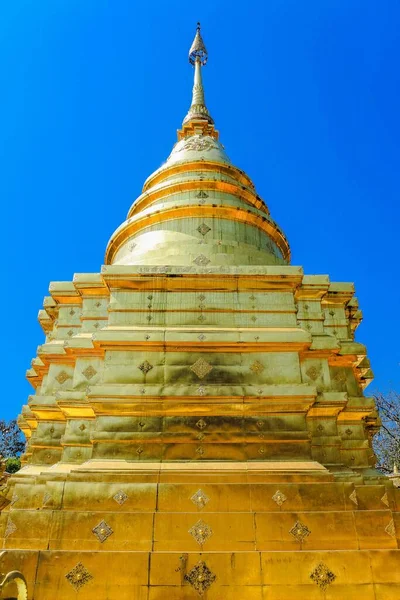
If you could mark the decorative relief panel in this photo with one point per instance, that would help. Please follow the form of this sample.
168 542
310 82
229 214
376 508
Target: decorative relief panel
10 528
102 531
79 576
201 368
353 497
203 229
390 529
340 377
198 143
257 367
313 373
62 377
279 498
322 576
300 531
200 499
201 260
89 372
201 532
200 577
145 367
120 497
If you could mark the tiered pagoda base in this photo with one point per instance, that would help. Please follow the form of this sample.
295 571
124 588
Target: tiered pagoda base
251 531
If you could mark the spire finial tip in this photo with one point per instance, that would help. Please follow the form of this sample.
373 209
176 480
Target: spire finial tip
198 50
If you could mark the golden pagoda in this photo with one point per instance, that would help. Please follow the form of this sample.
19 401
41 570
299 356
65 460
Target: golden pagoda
198 427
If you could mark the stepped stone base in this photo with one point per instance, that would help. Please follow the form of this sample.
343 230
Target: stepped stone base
114 530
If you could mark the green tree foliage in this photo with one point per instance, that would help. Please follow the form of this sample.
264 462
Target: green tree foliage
13 464
386 442
11 444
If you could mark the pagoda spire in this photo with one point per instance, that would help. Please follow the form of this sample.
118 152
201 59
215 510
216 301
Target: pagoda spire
198 57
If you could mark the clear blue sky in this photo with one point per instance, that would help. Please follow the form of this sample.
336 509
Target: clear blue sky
305 95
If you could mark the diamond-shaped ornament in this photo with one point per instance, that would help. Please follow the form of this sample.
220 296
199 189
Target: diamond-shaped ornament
322 576
102 531
120 497
390 529
200 499
201 368
201 424
203 229
353 497
279 497
201 532
257 367
89 372
200 577
62 377
313 373
79 576
201 260
300 531
145 367
10 528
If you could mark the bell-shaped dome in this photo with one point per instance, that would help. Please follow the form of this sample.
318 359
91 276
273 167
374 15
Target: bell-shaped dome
198 208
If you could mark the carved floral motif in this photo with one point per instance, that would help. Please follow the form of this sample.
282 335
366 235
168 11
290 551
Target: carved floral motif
300 531
201 368
322 576
79 576
200 499
89 372
279 497
201 532
200 577
102 531
120 497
